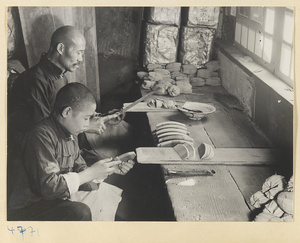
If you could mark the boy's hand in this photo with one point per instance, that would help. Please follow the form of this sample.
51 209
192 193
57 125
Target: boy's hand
105 167
124 166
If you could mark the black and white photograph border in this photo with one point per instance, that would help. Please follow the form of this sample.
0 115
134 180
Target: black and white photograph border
239 169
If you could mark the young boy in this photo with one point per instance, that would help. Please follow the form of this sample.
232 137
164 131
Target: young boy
52 171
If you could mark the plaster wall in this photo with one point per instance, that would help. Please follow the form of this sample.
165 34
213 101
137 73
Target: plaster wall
272 113
237 83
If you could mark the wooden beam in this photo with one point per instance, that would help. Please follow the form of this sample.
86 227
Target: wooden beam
222 156
91 52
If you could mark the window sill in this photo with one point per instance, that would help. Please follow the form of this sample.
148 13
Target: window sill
253 69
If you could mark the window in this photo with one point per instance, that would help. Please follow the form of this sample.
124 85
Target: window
267 34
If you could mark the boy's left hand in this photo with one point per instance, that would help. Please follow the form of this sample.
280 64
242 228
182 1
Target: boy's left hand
124 167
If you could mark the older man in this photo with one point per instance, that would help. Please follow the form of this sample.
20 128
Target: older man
33 93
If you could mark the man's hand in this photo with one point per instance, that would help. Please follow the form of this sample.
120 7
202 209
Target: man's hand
96 125
118 116
97 122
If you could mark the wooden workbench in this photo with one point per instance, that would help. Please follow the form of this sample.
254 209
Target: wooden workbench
225 195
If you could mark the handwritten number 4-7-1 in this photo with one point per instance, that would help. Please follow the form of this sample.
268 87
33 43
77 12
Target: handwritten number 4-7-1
22 230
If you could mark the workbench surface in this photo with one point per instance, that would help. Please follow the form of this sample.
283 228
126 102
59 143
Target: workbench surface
225 195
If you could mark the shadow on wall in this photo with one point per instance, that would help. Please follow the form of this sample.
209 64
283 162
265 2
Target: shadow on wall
118 43
40 34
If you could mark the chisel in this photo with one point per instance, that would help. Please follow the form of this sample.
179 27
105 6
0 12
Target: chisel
189 173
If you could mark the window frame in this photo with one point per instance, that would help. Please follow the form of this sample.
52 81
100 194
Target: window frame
277 39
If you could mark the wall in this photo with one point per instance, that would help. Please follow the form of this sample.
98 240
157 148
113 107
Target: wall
271 111
118 43
15 42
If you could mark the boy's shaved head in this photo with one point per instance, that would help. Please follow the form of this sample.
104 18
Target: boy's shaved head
74 95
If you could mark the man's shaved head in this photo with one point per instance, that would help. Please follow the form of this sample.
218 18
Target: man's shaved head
67 48
66 35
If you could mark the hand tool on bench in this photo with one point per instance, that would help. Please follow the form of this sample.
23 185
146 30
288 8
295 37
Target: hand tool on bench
137 101
172 173
123 110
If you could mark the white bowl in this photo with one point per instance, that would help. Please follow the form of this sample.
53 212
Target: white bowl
196 110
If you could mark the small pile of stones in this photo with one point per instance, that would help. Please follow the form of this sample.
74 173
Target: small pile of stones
176 78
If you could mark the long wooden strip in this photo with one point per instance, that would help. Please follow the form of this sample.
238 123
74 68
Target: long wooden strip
138 101
225 156
143 107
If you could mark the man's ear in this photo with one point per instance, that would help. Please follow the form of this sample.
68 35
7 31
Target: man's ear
66 112
60 48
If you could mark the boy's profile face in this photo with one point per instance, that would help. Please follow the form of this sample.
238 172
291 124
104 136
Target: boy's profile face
78 121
